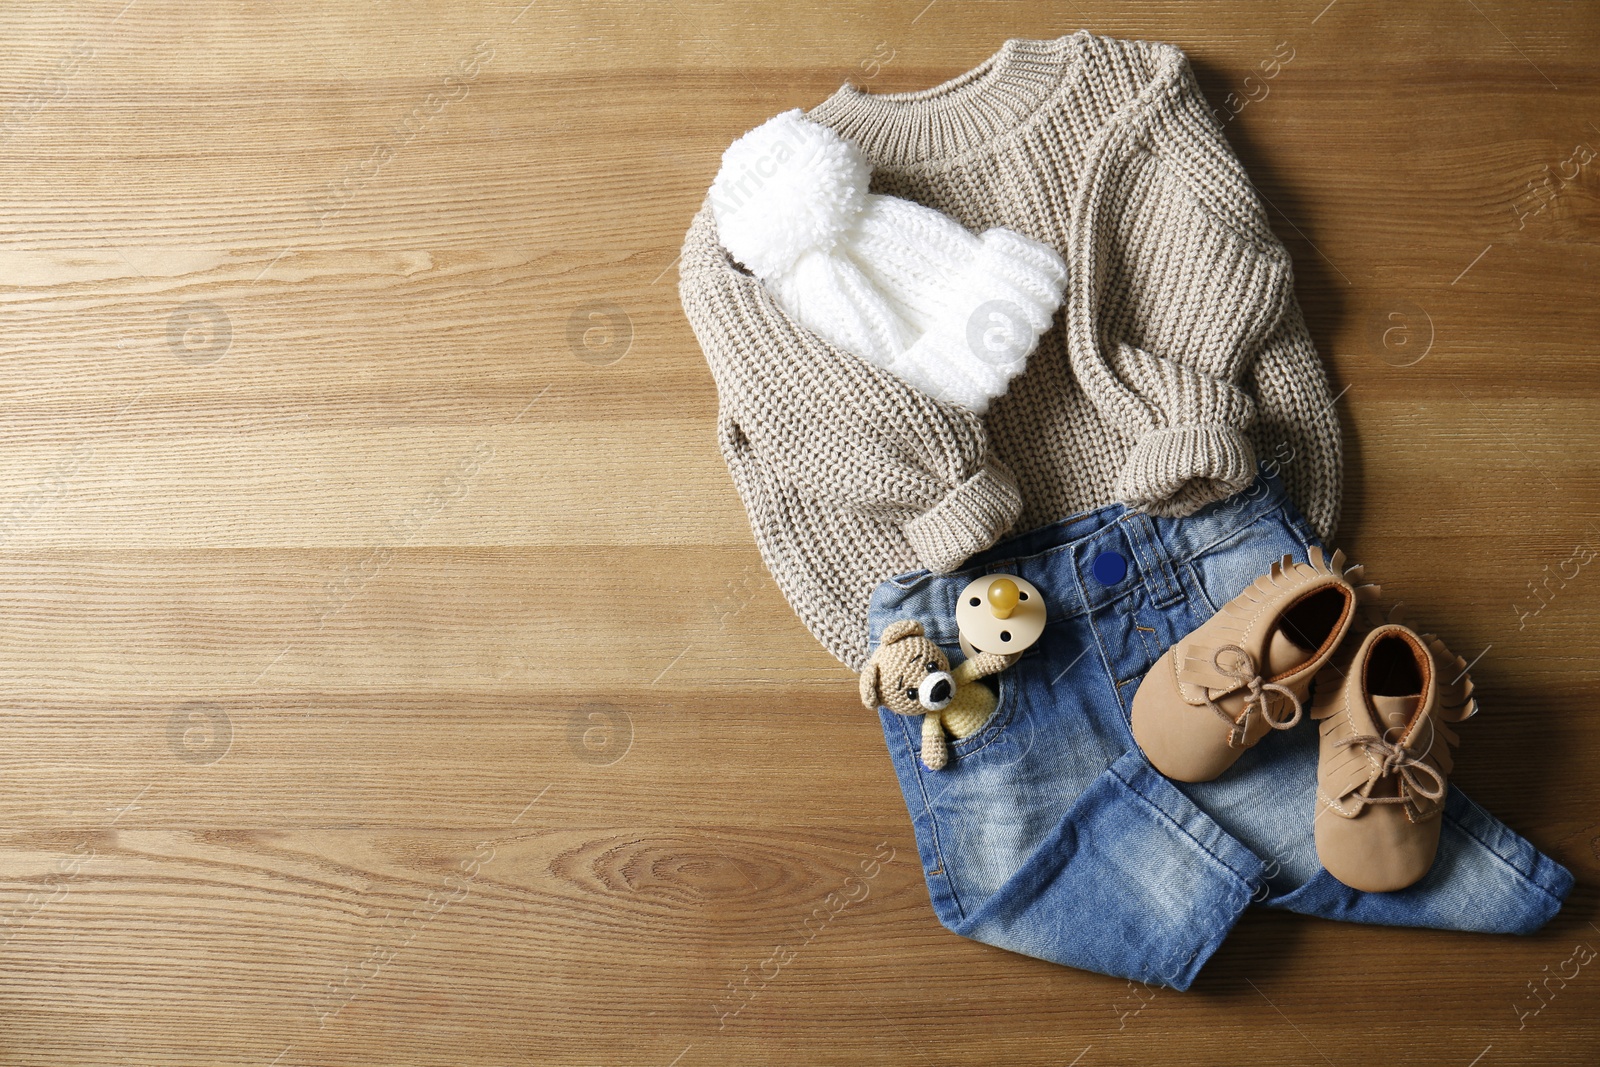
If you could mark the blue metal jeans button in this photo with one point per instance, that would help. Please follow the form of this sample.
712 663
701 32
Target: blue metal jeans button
1110 568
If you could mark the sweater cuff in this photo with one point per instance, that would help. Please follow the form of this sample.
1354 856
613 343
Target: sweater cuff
1177 470
968 519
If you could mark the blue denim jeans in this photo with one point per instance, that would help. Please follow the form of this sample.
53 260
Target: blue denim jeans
1049 834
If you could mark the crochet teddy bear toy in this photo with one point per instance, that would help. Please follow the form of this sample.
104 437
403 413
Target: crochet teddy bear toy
910 675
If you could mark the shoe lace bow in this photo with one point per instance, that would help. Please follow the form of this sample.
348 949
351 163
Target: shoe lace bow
1392 757
1243 670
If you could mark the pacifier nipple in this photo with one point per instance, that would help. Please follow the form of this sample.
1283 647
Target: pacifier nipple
1003 597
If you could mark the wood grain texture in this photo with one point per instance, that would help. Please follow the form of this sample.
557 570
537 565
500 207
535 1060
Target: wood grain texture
391 675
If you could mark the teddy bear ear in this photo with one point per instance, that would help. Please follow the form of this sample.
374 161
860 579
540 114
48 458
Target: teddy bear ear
900 628
869 687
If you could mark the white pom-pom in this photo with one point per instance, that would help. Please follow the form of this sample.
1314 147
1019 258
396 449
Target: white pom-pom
787 187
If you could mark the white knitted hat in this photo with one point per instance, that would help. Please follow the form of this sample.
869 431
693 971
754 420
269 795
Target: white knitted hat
903 286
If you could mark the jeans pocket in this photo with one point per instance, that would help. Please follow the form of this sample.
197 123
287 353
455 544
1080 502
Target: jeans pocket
1298 524
1227 568
999 741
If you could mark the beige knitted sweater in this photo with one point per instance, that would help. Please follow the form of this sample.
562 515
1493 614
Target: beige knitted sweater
1179 356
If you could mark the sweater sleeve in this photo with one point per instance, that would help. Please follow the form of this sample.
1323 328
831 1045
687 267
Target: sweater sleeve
1297 426
1182 283
799 415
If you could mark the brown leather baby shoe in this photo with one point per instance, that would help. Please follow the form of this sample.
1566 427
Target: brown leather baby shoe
1385 761
1247 669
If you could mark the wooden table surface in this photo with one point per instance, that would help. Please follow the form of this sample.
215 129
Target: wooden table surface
390 674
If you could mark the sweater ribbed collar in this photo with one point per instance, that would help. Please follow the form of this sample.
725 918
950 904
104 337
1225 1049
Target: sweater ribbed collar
967 112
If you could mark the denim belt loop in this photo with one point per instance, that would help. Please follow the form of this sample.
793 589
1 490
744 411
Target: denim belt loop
1155 566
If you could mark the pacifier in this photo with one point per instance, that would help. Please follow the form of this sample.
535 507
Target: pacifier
999 613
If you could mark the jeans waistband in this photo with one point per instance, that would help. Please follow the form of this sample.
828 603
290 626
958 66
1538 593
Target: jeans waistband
1060 558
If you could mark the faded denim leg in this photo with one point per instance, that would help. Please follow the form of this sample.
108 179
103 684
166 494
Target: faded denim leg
1487 878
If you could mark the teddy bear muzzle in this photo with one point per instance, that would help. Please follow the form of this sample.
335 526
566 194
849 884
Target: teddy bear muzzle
936 691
